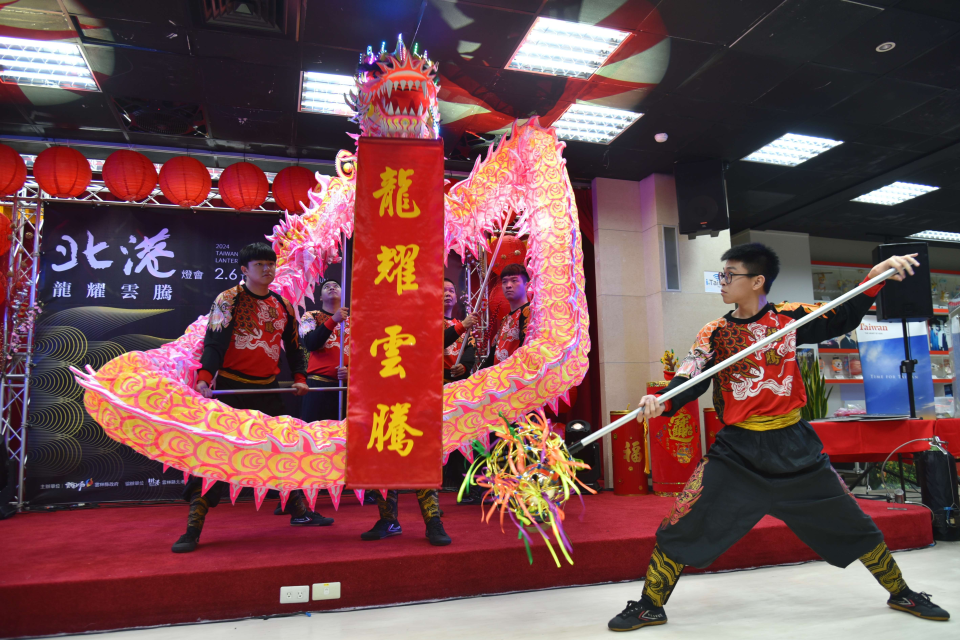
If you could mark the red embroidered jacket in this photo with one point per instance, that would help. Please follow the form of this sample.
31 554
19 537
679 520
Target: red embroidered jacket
767 383
513 331
244 337
453 338
321 337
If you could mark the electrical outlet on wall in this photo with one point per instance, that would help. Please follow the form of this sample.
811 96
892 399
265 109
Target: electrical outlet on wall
290 595
326 591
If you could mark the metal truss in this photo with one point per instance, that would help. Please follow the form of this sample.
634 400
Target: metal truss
97 193
20 312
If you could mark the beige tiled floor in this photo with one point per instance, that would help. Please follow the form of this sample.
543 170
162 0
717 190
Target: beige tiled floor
814 601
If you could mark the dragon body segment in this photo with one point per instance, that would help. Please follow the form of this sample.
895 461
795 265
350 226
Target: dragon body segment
146 399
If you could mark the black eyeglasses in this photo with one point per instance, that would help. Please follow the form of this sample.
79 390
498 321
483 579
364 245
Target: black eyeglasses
727 278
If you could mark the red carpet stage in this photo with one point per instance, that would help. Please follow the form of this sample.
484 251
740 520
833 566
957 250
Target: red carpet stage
111 568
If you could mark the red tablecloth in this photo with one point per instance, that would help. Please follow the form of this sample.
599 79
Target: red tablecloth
872 441
949 430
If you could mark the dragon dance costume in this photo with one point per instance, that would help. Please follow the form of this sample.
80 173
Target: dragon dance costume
513 332
241 348
766 460
320 336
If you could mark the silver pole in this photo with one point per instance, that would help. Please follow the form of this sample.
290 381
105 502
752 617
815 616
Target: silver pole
243 392
343 323
810 317
7 424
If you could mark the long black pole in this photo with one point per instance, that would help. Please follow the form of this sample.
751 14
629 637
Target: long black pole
907 367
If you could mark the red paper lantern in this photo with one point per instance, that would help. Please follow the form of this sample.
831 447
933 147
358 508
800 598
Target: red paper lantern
512 251
291 186
6 227
184 181
129 175
62 172
13 171
243 186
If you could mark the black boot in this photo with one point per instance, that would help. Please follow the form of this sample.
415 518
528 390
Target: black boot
199 506
187 542
435 533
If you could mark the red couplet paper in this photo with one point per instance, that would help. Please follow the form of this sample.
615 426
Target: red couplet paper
394 411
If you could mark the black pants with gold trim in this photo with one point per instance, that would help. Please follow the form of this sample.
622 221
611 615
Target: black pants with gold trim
750 474
429 500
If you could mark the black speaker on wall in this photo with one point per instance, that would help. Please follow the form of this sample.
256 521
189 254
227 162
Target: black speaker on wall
911 298
701 197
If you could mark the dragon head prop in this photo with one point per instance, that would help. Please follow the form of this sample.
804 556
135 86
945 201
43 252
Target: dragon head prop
396 94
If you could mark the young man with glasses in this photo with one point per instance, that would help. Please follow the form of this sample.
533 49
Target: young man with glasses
247 328
766 460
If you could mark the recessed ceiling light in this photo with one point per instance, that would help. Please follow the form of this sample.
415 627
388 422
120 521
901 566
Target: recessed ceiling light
324 93
939 236
590 123
568 49
40 63
886 46
792 149
895 193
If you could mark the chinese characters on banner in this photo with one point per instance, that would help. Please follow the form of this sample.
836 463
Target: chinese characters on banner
395 412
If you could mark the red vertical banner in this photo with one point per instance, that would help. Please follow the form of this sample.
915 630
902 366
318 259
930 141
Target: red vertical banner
394 410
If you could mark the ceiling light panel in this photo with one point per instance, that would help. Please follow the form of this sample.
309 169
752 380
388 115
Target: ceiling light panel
40 63
792 149
938 236
895 193
567 49
589 123
324 93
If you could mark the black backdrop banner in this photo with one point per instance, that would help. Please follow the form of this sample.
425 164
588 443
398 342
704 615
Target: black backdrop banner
116 279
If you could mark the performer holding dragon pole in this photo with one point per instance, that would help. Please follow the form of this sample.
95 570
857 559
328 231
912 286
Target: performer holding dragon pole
320 332
514 280
245 329
766 460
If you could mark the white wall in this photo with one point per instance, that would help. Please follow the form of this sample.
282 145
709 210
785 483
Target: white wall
794 284
638 319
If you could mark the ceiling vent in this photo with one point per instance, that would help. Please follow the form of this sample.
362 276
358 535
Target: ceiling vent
162 117
249 15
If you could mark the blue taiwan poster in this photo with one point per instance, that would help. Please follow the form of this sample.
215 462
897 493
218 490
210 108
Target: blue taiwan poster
881 351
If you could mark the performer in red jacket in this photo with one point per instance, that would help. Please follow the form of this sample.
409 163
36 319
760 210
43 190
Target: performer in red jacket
766 460
320 332
514 280
246 330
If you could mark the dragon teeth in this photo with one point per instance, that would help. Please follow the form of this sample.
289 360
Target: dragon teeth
389 86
